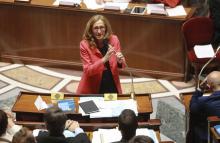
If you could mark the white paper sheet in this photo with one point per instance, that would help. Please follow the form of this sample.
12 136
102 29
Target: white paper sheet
91 4
40 104
176 11
204 51
66 2
120 5
113 135
156 9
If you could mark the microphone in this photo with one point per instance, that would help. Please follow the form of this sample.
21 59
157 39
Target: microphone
205 65
132 82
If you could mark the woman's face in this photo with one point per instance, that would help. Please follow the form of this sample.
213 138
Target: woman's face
98 30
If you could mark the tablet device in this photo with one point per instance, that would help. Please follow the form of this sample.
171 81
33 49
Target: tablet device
89 106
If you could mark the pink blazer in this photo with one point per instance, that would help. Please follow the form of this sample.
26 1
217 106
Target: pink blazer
93 67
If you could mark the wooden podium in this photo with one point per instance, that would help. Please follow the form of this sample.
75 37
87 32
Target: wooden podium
27 113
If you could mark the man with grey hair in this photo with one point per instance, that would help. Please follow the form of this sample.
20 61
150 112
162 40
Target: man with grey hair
203 106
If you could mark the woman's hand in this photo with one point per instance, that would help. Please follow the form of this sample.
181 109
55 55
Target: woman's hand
110 51
120 57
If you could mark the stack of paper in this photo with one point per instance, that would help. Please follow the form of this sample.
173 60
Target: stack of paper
109 108
156 9
113 135
176 11
67 2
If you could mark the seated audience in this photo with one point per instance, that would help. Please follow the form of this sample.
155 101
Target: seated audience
203 106
56 122
7 127
24 135
128 124
141 139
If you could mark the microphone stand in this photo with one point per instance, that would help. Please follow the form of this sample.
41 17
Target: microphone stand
132 93
199 76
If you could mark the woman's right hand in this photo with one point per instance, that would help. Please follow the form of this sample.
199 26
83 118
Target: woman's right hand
109 53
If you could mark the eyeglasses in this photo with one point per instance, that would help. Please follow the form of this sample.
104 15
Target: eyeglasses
102 28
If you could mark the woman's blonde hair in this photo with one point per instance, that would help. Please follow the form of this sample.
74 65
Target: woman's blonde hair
88 34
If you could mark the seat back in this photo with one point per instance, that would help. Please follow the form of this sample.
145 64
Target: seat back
197 31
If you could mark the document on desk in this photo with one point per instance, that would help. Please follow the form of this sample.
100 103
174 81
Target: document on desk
120 5
40 104
106 135
110 108
91 4
66 2
176 11
158 8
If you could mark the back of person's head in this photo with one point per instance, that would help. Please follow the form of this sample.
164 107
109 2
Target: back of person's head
24 135
213 79
55 120
141 139
127 124
3 122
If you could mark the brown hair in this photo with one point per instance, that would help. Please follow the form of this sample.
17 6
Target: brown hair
88 34
24 135
141 139
3 122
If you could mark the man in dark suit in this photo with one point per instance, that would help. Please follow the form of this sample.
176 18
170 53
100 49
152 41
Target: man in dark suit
56 121
214 6
203 106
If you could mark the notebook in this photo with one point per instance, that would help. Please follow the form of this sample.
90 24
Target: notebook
89 106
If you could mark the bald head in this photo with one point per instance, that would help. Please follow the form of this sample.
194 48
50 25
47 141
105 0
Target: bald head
213 79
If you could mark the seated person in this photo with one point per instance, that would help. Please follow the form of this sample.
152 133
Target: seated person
127 122
141 139
203 106
56 122
24 135
7 127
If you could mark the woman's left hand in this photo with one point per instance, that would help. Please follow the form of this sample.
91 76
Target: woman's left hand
120 57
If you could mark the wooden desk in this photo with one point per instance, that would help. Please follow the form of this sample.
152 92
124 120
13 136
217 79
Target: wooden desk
27 113
212 134
39 33
185 99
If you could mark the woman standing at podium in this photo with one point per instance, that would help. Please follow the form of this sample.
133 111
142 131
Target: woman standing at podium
101 56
